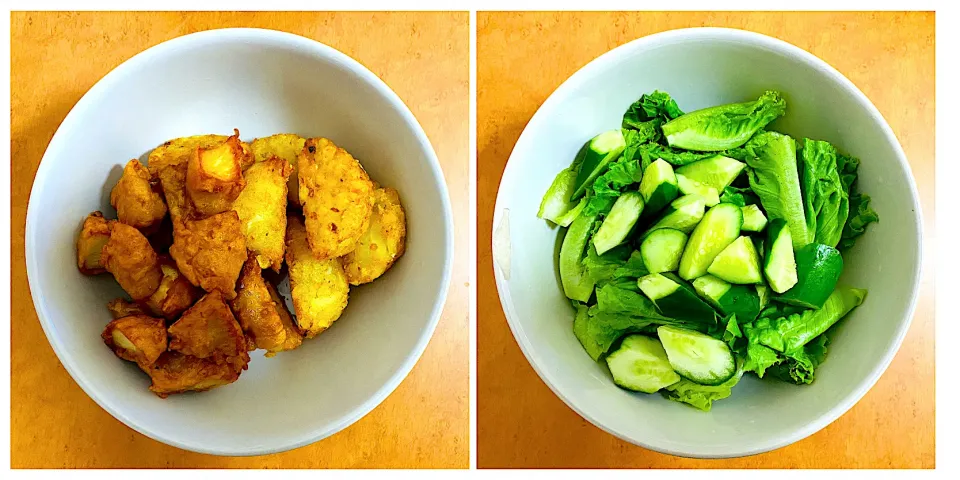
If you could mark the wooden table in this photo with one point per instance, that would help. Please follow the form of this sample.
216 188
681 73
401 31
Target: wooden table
524 57
56 57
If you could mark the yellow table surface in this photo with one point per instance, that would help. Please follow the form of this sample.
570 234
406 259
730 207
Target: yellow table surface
524 57
56 57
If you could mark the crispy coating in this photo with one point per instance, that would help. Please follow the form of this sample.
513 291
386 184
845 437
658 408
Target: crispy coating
137 338
319 287
215 176
262 208
162 237
94 234
293 337
175 293
286 146
179 151
210 252
175 372
382 243
173 182
255 310
120 307
132 261
336 194
209 330
137 204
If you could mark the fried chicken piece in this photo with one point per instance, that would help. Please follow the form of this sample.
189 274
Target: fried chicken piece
179 151
210 252
286 146
215 176
255 309
382 244
137 204
262 208
337 199
293 337
175 293
94 234
120 307
175 372
137 338
209 330
132 261
319 287
173 182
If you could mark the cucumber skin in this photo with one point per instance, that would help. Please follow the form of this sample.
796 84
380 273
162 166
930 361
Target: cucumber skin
576 283
818 269
665 192
685 304
741 300
696 260
665 333
592 164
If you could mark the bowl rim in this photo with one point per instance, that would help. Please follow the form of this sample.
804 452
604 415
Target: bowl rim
784 48
282 40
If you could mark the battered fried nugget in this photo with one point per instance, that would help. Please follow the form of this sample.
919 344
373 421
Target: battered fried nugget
262 208
336 194
286 146
175 372
175 293
293 337
137 338
319 287
210 252
209 330
173 180
255 310
162 237
132 261
215 176
179 151
120 307
137 204
94 234
382 243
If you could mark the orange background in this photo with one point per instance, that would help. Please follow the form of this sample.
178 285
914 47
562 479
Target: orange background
56 57
524 57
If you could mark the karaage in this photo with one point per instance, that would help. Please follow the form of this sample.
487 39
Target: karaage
132 261
209 330
137 338
210 252
135 200
94 234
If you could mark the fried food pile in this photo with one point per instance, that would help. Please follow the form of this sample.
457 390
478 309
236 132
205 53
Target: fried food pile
197 225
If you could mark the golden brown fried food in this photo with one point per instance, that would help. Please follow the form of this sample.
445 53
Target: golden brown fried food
132 261
293 337
137 338
175 372
121 307
179 151
286 146
173 182
137 204
215 176
175 293
94 234
262 208
210 252
255 310
319 287
209 330
337 199
162 237
382 244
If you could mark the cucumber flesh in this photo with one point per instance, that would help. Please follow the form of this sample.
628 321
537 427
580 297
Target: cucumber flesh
656 286
595 158
697 356
661 250
556 202
780 266
718 229
567 218
577 285
658 186
618 224
763 292
753 219
740 300
682 214
641 365
738 263
717 172
689 186
676 299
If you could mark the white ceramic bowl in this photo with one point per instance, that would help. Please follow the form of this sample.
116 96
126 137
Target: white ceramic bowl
262 82
699 68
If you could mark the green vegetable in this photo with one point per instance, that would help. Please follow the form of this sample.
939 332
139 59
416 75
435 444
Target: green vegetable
732 331
861 215
682 214
720 227
556 202
759 357
618 224
738 263
779 263
576 284
793 332
617 264
753 219
701 396
725 126
772 171
623 301
598 331
717 171
741 301
692 187
697 356
641 365
658 187
818 269
651 106
798 367
825 199
740 197
661 250
675 298
595 157
608 187
650 152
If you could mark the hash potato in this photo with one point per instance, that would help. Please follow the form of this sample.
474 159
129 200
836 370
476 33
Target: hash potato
120 307
215 176
94 234
210 252
286 146
132 261
336 195
319 287
209 330
137 204
173 182
383 242
255 310
175 293
175 372
179 150
137 338
262 208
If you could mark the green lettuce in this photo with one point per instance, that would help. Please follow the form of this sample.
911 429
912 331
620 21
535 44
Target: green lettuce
790 333
619 263
799 366
614 299
772 169
825 198
607 187
650 152
701 396
861 215
597 331
724 127
740 197
657 106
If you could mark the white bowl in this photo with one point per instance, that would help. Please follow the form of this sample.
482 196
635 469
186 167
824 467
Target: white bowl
703 67
262 82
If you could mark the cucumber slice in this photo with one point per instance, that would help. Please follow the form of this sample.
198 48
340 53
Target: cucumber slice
675 299
692 187
556 202
595 157
577 285
618 224
738 263
641 365
753 219
818 269
661 250
683 214
717 172
697 356
741 300
720 227
763 292
567 218
779 264
658 186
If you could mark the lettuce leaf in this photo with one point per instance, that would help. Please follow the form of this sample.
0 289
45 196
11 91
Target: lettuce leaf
861 215
607 187
740 197
616 300
657 106
650 152
772 169
597 331
616 264
724 127
791 333
825 199
701 396
799 366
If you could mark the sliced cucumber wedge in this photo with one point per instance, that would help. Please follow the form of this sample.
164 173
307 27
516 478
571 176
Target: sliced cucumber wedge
689 186
567 218
675 299
556 202
738 263
658 186
577 285
641 365
763 292
661 250
717 172
595 157
682 214
697 356
779 264
741 300
618 224
753 219
720 227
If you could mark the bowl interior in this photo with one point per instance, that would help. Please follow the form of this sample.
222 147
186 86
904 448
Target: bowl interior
701 68
262 83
